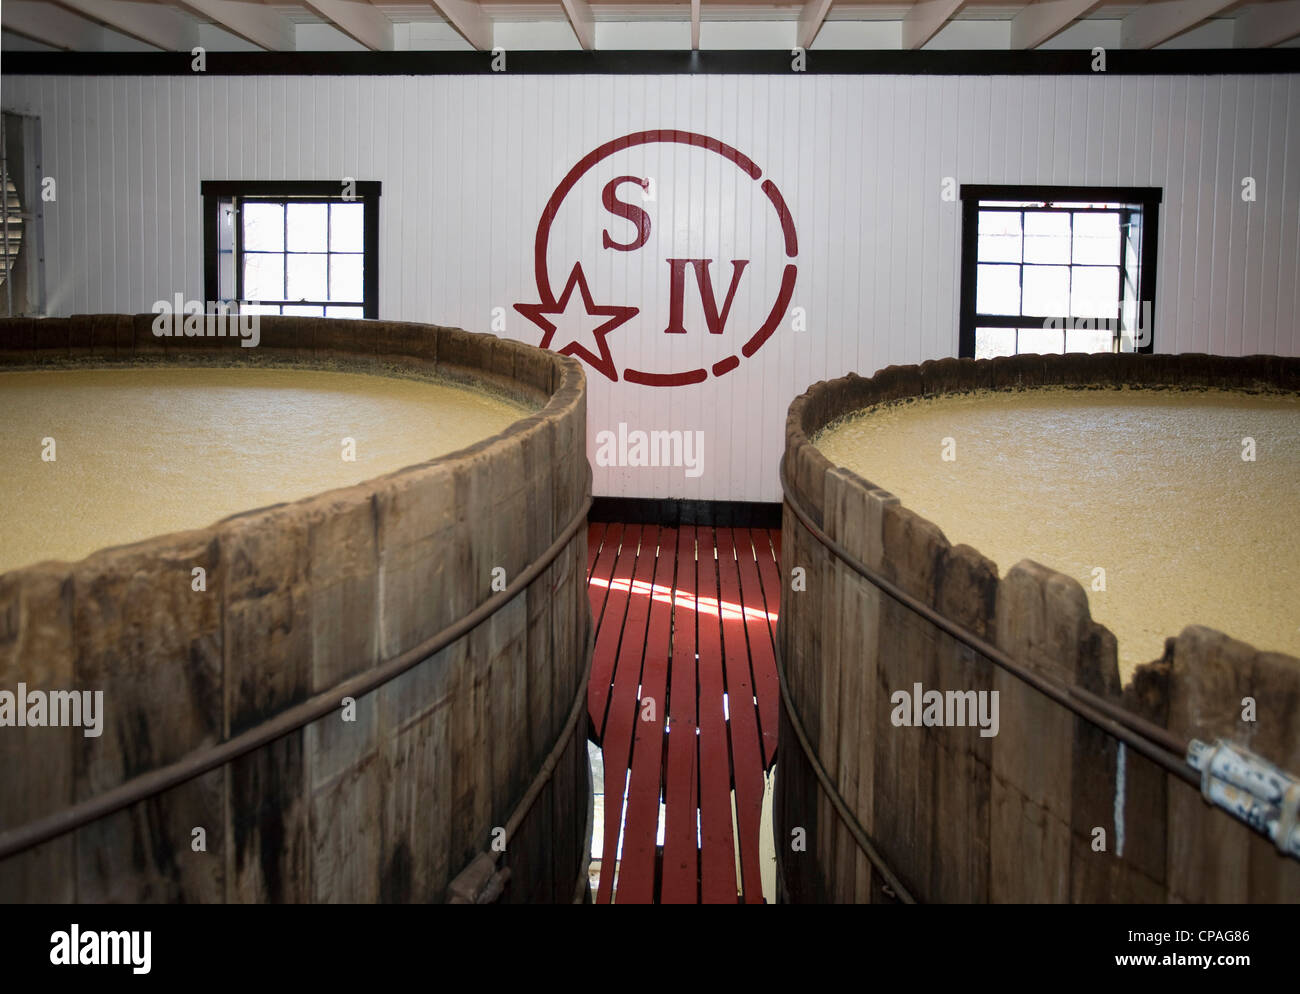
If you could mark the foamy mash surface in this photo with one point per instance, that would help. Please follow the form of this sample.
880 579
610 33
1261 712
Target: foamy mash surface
141 452
1150 486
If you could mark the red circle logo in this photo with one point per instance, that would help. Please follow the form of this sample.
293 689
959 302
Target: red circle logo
695 269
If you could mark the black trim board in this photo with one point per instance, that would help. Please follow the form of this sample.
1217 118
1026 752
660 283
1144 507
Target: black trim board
671 513
1063 194
1073 62
287 188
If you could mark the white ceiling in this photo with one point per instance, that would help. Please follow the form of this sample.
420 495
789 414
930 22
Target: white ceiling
132 25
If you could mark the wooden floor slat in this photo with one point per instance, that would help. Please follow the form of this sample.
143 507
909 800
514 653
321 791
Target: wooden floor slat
614 572
681 875
682 629
636 876
595 533
746 750
717 842
621 717
762 657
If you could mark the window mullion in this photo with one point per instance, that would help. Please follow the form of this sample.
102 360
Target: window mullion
285 257
238 204
1069 287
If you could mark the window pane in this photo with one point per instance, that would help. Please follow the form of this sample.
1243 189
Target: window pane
345 312
1096 239
306 278
999 236
1047 237
347 229
1047 291
990 342
1089 340
997 290
303 310
1044 341
307 227
345 277
1095 291
259 308
263 227
263 276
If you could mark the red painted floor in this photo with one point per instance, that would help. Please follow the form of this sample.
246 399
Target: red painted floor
683 702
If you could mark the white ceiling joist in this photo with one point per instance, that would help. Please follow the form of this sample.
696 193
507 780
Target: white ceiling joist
152 23
695 25
358 20
1155 23
1266 24
51 25
251 21
468 19
583 21
926 18
1038 22
811 18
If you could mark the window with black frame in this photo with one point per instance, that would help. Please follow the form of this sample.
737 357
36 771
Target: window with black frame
300 248
1057 269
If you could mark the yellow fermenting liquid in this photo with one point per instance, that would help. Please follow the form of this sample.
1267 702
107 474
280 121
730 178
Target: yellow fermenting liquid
1149 486
141 452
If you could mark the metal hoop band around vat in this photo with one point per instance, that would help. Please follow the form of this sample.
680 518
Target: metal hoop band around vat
479 882
1148 739
1153 742
148 785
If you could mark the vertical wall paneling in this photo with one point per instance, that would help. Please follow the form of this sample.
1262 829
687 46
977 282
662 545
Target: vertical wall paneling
467 163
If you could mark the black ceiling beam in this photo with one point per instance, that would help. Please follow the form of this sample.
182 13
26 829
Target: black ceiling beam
1119 62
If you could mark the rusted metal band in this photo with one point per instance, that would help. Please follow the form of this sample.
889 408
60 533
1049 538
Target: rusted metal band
147 785
1149 740
477 891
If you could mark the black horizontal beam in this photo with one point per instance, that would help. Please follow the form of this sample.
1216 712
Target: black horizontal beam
674 513
1125 195
1119 62
278 189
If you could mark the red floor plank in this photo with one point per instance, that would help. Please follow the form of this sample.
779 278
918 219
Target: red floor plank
743 723
599 570
767 546
654 613
636 875
762 660
622 713
681 790
769 573
717 853
613 573
595 530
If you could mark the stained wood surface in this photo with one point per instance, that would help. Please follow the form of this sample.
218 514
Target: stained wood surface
1049 809
684 702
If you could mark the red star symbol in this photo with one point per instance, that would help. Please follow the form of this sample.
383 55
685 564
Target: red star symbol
617 315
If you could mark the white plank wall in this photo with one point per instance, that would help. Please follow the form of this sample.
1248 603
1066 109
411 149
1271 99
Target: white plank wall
467 164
